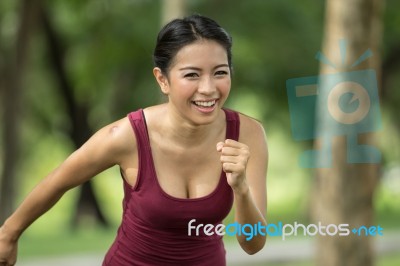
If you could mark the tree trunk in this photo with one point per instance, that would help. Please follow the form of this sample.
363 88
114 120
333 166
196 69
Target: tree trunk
172 9
12 74
87 203
344 190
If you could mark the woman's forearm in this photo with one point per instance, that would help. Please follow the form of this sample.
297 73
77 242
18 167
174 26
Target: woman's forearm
246 212
38 201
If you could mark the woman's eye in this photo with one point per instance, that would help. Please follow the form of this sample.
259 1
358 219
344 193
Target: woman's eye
191 75
221 73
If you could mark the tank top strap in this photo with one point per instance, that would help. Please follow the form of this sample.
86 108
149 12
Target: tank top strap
232 124
137 120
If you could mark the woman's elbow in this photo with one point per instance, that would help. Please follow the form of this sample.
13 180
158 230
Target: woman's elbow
252 248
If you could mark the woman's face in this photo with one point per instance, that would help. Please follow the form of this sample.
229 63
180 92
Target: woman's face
198 81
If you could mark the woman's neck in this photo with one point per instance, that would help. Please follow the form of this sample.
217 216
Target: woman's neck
180 130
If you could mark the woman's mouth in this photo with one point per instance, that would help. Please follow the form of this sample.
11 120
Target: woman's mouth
205 103
205 106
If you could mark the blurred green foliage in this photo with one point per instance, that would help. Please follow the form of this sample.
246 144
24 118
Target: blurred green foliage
108 50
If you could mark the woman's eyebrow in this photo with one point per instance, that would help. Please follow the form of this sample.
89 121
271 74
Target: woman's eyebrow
221 65
199 69
190 68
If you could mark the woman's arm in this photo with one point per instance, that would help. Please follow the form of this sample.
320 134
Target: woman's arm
246 165
104 149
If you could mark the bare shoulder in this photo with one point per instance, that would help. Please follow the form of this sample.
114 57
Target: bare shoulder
253 135
120 131
154 113
121 136
252 131
114 141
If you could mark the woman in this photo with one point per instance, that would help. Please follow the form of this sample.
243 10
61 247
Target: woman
186 159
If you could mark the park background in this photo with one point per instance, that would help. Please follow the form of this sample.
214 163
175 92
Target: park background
67 68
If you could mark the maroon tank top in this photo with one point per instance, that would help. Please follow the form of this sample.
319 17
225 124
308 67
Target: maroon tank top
154 228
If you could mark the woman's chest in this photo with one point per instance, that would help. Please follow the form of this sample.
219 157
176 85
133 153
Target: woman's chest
187 174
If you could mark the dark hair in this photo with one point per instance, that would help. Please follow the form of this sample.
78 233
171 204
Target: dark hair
180 32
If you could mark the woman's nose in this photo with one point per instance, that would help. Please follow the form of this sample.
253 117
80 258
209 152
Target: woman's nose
207 86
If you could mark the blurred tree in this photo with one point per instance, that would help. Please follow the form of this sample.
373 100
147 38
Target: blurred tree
344 193
172 9
12 70
87 204
390 95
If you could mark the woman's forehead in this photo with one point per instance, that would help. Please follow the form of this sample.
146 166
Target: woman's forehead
201 53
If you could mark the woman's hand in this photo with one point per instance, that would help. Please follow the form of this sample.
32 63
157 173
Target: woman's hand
8 249
234 158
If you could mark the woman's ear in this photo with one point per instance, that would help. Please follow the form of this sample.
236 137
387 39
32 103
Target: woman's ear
162 80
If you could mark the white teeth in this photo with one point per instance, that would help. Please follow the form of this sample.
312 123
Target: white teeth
205 104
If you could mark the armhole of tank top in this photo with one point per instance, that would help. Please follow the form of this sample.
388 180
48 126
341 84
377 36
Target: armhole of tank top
134 119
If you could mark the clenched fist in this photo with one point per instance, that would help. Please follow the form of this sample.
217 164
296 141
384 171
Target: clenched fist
234 158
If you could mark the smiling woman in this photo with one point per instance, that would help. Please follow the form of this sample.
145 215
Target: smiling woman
198 81
186 159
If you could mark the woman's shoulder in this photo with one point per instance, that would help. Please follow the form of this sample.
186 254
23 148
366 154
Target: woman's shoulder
118 136
250 128
110 145
155 110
